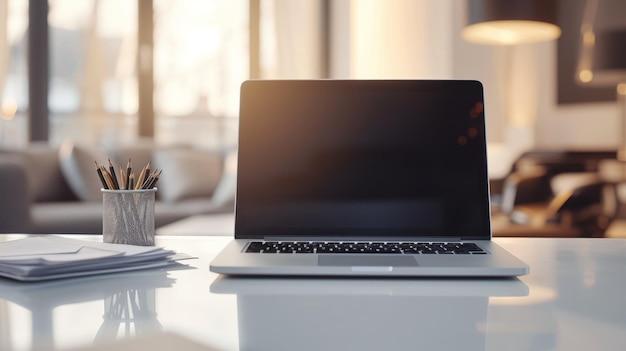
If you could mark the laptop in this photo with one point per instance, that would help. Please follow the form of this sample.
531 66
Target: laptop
362 314
363 178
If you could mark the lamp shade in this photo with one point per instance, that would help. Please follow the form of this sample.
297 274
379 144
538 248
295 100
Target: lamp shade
509 22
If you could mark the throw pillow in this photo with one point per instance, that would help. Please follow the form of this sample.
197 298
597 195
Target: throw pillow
224 194
139 153
187 173
45 178
78 167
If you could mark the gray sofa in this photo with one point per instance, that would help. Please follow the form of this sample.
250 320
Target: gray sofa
46 189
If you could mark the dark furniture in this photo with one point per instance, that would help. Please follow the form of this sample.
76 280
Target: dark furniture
555 194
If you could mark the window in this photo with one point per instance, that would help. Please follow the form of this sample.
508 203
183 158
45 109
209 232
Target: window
201 56
92 85
13 72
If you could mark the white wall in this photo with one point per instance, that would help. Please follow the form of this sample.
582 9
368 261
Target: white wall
285 26
400 39
530 71
421 39
585 125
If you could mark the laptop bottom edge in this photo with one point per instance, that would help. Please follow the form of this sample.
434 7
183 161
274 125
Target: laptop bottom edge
496 263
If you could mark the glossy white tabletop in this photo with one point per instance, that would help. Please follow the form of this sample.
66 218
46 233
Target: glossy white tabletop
573 299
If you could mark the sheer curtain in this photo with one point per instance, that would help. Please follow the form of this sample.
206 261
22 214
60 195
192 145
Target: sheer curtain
401 39
369 38
291 39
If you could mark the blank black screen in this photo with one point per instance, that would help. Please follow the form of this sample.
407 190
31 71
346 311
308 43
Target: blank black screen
362 158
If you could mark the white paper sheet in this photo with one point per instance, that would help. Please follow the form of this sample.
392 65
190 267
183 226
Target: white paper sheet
52 257
36 246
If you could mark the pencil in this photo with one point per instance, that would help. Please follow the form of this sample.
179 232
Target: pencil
123 178
129 170
155 180
140 179
148 180
107 177
113 175
147 171
99 171
131 181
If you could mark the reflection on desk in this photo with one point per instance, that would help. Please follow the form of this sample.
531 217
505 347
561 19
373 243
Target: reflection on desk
352 314
573 299
128 302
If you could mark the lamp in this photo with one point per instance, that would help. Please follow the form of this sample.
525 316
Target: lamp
508 22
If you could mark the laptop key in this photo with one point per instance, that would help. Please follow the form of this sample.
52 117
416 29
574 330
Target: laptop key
364 247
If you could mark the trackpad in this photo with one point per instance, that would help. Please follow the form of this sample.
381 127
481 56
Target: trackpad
367 260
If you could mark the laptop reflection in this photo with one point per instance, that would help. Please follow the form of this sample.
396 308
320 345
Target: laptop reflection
360 314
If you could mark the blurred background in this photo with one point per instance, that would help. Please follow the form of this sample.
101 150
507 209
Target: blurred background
123 72
115 70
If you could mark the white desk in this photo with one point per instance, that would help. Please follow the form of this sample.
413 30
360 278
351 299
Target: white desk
573 299
209 224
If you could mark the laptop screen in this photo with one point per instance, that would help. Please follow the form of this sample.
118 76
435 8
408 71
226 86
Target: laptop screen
362 158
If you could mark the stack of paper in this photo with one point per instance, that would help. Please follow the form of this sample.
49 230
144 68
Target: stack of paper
53 257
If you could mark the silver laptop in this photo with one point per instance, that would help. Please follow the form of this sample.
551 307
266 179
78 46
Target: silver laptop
365 178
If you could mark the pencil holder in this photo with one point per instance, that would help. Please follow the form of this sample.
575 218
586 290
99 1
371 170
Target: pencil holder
128 216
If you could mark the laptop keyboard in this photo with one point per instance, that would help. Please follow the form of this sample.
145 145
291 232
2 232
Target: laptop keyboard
326 247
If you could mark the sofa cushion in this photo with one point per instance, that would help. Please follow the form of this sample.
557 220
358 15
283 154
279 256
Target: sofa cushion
45 178
77 165
72 217
139 154
224 194
187 173
168 212
86 217
14 207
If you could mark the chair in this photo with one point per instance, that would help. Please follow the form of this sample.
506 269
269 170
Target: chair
556 194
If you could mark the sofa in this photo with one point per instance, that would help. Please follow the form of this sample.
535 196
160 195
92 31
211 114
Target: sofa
55 189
